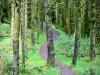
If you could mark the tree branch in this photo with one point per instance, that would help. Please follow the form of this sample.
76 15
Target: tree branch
48 11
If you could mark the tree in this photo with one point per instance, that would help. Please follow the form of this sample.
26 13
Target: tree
71 17
57 14
0 10
77 34
42 14
49 35
85 14
24 33
92 29
67 26
32 34
15 34
97 21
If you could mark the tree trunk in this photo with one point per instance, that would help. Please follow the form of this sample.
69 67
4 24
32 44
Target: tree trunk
92 43
49 34
32 34
77 39
15 34
29 3
24 33
77 34
67 26
0 10
71 17
38 24
41 24
97 22
92 29
57 15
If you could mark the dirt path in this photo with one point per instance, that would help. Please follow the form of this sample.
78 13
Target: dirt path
63 68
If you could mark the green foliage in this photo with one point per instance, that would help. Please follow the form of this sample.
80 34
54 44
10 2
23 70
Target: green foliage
65 46
65 54
5 29
33 49
91 71
39 71
5 40
8 64
34 62
34 59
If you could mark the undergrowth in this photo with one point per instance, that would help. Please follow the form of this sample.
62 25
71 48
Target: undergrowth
34 62
65 46
64 49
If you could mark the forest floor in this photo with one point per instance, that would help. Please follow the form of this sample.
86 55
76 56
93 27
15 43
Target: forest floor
36 65
63 68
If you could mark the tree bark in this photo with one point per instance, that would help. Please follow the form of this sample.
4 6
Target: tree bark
67 26
57 15
24 33
77 39
0 10
32 34
77 34
92 29
15 34
97 21
49 34
71 17
41 24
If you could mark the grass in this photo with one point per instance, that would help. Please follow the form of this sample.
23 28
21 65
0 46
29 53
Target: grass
33 58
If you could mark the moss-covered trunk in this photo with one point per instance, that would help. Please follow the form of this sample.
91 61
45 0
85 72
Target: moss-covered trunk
15 34
77 34
92 29
49 34
24 33
0 10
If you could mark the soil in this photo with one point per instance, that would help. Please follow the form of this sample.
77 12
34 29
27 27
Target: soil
64 70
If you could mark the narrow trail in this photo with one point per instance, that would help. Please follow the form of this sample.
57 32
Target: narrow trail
64 70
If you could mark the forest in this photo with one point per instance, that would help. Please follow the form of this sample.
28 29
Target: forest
49 37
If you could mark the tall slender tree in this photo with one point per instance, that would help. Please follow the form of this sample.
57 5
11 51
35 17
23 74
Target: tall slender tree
33 24
0 10
24 33
67 26
41 14
78 33
71 17
15 34
49 34
92 29
97 21
57 14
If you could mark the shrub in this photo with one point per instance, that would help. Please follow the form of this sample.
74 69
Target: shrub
65 46
8 64
91 71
